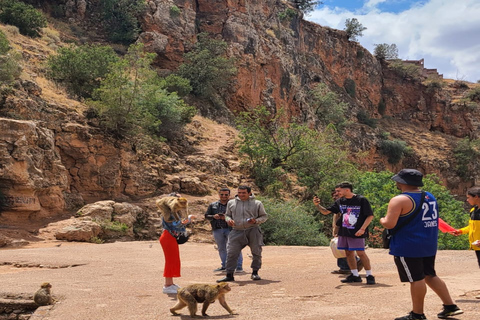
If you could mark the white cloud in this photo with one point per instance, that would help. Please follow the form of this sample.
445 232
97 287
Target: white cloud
445 33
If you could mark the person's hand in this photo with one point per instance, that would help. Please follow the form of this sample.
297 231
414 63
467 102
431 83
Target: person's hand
231 222
316 200
219 216
360 232
456 232
251 220
476 243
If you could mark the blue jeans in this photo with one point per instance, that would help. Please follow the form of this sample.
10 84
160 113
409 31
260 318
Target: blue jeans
221 238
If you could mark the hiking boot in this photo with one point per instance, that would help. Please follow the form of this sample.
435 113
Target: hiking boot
228 278
219 269
413 316
449 311
351 278
359 264
370 279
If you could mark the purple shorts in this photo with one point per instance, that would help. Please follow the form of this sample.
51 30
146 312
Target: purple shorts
351 244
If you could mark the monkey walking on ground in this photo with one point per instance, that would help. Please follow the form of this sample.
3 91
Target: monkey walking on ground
43 296
172 206
198 293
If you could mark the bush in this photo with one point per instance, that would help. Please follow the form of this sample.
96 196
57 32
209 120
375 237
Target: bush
382 106
174 11
474 94
131 99
174 83
81 69
120 19
466 154
207 68
4 44
364 118
290 224
287 14
24 16
385 51
405 70
327 106
306 5
350 87
354 29
393 149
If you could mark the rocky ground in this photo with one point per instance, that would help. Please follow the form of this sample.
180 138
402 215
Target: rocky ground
123 280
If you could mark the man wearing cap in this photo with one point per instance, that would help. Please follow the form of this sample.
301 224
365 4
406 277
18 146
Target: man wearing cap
414 245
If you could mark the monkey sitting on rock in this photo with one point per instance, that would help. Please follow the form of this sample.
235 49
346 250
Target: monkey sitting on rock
43 296
198 293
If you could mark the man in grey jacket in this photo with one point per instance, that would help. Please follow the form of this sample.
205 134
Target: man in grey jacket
244 214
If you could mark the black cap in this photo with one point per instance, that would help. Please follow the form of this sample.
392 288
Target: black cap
410 177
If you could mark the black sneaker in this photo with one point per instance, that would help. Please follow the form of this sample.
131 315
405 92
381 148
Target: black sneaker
370 279
219 269
449 311
413 316
228 278
352 278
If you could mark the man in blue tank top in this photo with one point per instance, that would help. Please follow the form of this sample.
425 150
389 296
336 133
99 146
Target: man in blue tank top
414 245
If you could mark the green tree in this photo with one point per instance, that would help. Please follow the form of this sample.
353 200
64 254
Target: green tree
386 51
10 68
327 106
207 67
354 29
277 150
393 149
291 224
24 16
466 154
306 6
404 69
120 19
4 44
81 69
132 99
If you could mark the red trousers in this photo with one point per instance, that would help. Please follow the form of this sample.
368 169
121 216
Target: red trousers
172 255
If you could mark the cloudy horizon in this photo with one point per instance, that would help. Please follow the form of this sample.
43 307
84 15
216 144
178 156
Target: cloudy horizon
446 34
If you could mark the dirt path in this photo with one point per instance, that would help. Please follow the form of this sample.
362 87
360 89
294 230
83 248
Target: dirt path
120 281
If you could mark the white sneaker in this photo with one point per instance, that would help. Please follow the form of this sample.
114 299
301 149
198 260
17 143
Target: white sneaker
176 286
170 289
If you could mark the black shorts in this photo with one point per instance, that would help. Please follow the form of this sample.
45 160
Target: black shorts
415 269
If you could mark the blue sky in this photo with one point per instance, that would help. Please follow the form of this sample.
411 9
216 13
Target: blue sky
446 33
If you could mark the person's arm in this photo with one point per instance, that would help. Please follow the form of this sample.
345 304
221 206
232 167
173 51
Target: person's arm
364 226
228 215
394 210
322 209
262 215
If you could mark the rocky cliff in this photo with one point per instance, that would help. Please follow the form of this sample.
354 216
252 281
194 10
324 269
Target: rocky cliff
53 160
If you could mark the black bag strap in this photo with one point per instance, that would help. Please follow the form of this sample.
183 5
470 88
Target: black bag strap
391 232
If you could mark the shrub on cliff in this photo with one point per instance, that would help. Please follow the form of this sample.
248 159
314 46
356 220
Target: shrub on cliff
132 98
120 19
354 29
385 51
81 69
24 16
10 68
306 5
207 67
327 106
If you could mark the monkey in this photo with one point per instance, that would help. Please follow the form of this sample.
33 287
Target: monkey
43 296
171 207
198 293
